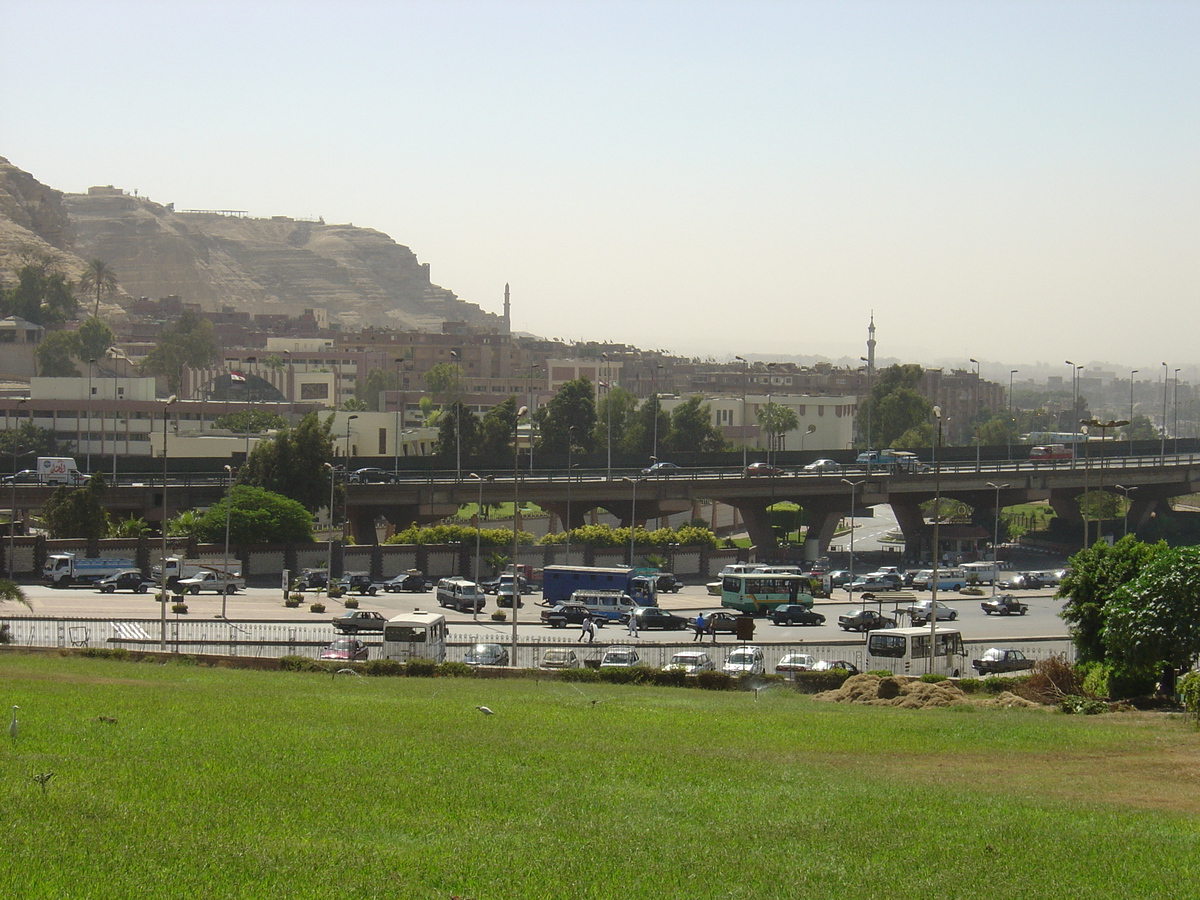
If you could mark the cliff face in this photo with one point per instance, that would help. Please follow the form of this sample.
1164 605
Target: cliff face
278 265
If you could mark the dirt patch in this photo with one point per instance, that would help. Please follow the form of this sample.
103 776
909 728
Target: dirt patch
910 693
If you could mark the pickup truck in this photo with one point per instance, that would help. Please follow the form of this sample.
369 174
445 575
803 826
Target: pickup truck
218 582
1004 605
997 661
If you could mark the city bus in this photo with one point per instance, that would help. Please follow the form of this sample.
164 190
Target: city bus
758 592
905 651
415 635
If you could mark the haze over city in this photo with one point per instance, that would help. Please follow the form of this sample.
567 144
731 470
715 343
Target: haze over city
1016 182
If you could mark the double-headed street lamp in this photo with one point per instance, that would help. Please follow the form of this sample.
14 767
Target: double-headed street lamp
516 595
632 518
1103 426
228 510
162 587
1121 487
333 470
996 538
478 529
12 517
745 379
853 486
937 518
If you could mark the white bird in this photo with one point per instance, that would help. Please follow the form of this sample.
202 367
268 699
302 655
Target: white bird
12 726
485 710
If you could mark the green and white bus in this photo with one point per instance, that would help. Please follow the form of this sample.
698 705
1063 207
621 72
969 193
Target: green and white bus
757 592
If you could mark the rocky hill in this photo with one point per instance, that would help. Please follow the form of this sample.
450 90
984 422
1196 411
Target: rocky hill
218 258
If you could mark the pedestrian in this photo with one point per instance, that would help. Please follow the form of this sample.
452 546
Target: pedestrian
699 626
712 627
632 625
589 630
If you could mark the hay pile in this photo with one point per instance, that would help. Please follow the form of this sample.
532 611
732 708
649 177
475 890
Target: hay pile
911 693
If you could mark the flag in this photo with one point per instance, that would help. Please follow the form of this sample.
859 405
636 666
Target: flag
236 377
604 384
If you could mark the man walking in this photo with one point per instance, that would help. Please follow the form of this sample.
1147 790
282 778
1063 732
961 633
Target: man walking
632 624
589 630
699 626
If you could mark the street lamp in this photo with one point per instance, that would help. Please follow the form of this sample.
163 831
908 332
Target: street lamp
996 538
12 517
1175 414
937 518
399 418
657 408
516 497
345 488
228 510
745 379
91 366
162 586
570 442
1011 421
870 369
632 517
1132 372
1121 487
478 529
1103 426
333 470
1075 403
606 383
975 413
532 368
1163 432
853 486
811 429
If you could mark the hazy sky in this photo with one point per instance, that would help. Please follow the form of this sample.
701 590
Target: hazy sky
1013 181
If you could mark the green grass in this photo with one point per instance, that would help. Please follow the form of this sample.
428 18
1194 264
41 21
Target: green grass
221 783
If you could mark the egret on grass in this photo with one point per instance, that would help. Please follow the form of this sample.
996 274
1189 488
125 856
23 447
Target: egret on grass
485 710
12 726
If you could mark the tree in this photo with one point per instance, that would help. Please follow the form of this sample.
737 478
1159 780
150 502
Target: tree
55 355
458 432
1155 617
354 405
496 433
569 417
254 421
78 512
256 516
293 463
95 338
692 427
100 279
615 410
640 429
1094 576
1140 428
42 295
897 412
776 420
10 590
369 389
996 431
29 439
189 343
445 379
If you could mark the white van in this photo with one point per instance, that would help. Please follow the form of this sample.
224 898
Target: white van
415 635
983 572
611 605
460 594
905 651
59 470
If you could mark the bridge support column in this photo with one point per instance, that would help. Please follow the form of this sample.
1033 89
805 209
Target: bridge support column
361 523
579 513
822 524
912 526
759 527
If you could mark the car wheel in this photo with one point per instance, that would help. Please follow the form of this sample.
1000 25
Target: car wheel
194 589
141 589
1023 611
230 589
953 616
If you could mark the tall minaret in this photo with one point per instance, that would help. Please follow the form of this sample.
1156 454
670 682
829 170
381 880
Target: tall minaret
871 345
507 311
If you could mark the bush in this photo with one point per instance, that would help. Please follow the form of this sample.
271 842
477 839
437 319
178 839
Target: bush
581 675
383 667
335 593
1049 681
294 663
350 603
293 602
179 608
105 652
499 616
1189 690
674 678
455 669
714 681
317 607
1083 706
932 678
626 674
420 668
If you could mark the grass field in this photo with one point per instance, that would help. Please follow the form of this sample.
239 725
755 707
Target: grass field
216 783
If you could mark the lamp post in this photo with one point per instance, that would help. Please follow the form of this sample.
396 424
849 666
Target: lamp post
657 408
745 378
811 429
1074 404
1132 372
1162 453
345 488
329 550
88 433
632 517
1087 460
516 498
996 537
606 383
162 566
291 386
937 518
870 368
478 529
1011 421
1121 487
12 518
228 510
570 441
1103 426
975 413
399 421
853 486
532 369
1175 415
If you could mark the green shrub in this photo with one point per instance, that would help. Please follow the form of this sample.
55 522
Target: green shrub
455 669
715 681
674 678
383 667
1189 690
294 601
335 593
420 668
580 675
1085 706
994 684
105 652
179 608
350 603
317 607
970 685
294 663
932 678
626 674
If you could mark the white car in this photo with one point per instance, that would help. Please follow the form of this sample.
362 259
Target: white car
620 657
745 661
919 612
795 662
823 465
690 662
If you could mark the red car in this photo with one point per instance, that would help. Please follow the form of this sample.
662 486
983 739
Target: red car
345 648
762 468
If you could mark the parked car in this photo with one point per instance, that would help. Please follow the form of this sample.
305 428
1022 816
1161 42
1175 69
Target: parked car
795 614
871 584
653 617
668 583
620 657
25 476
823 465
839 577
826 665
359 583
795 662
569 613
371 476
919 612
411 581
745 661
486 655
661 468
125 580
690 662
494 586
504 597
311 580
1004 605
762 468
1022 581
357 620
865 620
560 658
998 661
345 648
721 623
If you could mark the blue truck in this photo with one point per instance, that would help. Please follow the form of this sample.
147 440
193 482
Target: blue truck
559 582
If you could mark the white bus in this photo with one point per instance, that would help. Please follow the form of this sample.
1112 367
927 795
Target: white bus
984 572
415 635
905 651
951 579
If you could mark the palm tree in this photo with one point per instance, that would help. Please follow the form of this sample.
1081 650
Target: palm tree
10 590
100 278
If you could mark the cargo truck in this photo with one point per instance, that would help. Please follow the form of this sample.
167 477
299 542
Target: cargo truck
66 569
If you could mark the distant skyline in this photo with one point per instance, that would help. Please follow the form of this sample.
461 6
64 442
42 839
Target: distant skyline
1000 180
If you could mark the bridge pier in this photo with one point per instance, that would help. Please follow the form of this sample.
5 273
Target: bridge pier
823 520
912 526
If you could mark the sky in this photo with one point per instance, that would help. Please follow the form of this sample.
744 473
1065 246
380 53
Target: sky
1017 182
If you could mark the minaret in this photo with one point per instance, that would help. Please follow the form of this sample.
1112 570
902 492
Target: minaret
507 311
870 345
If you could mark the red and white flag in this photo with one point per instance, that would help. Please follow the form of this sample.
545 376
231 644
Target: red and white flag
236 376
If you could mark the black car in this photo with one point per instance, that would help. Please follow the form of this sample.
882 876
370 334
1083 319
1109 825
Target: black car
25 476
128 580
311 580
370 476
569 614
668 583
412 582
358 582
1004 605
653 617
795 614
